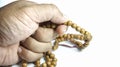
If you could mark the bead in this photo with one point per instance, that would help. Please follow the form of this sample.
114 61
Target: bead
44 65
49 52
66 23
81 37
65 35
55 59
52 56
53 26
86 44
74 26
79 44
61 39
56 43
68 36
24 64
86 33
88 37
51 66
48 63
82 31
37 62
37 65
69 23
49 59
73 41
53 63
77 28
55 47
78 37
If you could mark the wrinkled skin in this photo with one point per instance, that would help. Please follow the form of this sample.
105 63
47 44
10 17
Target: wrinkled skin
20 34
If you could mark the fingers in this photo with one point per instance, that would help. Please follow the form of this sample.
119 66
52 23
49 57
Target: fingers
44 34
28 55
35 46
45 12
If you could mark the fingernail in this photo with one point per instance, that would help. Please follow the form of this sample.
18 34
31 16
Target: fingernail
61 29
64 29
19 50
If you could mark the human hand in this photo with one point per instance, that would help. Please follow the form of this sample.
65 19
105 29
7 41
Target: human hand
18 21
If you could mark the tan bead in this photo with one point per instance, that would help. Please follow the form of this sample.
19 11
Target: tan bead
51 66
54 63
69 23
73 41
74 26
55 43
62 39
78 37
71 36
68 36
65 35
52 56
81 37
88 37
79 44
48 63
44 65
82 31
49 59
49 52
53 26
55 47
86 33
66 23
37 62
37 65
24 64
86 44
78 28
55 59
59 40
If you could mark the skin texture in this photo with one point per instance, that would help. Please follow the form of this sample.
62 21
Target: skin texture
20 34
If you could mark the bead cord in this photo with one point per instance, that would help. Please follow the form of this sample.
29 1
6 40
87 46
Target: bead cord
50 60
84 36
24 63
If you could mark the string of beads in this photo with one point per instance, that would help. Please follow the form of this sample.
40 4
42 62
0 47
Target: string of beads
50 60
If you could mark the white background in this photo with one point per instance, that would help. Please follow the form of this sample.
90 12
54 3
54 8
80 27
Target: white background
101 18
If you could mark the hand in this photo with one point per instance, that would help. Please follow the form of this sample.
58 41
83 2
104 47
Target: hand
18 21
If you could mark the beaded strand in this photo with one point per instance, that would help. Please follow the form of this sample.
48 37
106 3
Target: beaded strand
50 60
